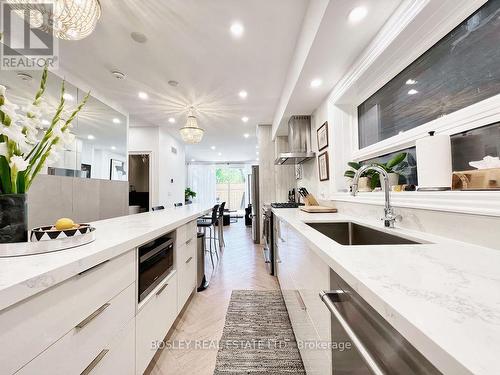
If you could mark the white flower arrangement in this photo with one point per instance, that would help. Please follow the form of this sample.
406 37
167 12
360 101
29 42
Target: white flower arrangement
24 146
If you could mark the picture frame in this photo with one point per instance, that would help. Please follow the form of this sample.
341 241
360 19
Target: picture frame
322 136
323 166
116 170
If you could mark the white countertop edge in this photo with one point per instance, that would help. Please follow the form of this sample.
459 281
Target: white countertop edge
68 263
426 344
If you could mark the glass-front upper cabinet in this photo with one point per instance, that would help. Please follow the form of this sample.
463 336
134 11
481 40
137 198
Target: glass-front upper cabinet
99 149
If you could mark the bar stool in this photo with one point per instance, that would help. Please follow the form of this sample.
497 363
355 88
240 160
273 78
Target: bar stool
220 224
157 208
210 224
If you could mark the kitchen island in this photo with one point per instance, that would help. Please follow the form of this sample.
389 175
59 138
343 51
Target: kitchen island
78 310
433 293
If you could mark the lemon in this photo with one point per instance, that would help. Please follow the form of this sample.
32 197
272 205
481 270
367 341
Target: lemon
64 223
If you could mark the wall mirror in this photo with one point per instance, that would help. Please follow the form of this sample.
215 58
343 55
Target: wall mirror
100 147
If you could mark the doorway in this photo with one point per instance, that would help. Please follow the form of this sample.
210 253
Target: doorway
139 199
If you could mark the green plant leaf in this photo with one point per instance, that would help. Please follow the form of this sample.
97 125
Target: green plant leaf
349 174
354 165
396 160
374 181
5 176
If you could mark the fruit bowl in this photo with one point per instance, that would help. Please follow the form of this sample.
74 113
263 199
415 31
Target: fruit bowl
52 233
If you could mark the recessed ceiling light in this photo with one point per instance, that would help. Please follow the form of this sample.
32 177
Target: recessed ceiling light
142 95
244 119
257 159
243 94
411 82
220 154
246 135
113 147
193 160
357 14
173 83
256 152
68 97
171 120
139 37
412 92
116 120
257 146
212 147
316 82
90 137
237 29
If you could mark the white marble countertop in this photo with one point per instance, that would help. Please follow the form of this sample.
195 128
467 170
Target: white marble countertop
24 276
443 296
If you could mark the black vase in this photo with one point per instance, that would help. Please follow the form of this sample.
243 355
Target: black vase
13 218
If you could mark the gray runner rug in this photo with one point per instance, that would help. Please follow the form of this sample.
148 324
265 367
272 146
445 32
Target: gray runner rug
258 336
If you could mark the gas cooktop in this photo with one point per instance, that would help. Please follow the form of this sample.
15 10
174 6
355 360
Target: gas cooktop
286 205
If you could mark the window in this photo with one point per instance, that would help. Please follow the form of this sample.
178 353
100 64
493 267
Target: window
230 187
474 145
461 69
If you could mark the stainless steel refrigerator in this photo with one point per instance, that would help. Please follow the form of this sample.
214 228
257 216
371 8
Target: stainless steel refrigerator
254 199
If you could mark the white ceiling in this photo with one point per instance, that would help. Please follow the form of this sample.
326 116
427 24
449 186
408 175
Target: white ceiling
189 41
337 44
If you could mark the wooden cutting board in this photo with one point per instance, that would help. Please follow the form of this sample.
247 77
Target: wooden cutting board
317 209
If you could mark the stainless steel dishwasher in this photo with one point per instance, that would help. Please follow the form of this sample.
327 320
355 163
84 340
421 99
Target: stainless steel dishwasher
375 346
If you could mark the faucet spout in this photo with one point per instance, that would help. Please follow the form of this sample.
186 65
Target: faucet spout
389 215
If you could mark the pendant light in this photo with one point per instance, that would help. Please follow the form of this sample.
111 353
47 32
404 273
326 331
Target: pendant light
65 19
191 133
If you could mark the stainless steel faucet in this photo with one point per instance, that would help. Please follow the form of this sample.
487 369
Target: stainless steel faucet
389 215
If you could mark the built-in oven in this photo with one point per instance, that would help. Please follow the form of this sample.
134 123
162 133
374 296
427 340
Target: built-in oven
156 261
268 234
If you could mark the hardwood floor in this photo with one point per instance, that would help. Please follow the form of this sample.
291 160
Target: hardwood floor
193 340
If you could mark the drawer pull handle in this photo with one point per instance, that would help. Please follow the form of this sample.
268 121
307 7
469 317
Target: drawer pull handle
326 297
94 363
93 267
160 291
92 316
189 241
301 301
189 260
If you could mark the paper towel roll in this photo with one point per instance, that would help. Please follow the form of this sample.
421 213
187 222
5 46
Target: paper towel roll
434 167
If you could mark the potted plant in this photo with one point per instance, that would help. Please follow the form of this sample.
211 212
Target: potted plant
188 194
364 183
371 179
393 167
25 148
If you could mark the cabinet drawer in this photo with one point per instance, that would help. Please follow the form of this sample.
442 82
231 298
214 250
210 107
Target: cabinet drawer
119 356
186 272
154 320
186 232
31 326
79 347
186 250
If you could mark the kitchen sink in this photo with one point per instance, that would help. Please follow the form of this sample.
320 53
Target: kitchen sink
348 233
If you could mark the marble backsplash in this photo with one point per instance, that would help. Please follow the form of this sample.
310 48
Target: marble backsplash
475 229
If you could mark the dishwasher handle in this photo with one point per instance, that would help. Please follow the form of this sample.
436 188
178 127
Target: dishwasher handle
365 354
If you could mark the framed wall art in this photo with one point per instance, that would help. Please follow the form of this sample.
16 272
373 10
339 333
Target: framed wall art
322 134
323 166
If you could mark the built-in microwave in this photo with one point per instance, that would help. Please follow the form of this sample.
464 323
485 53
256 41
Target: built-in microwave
156 261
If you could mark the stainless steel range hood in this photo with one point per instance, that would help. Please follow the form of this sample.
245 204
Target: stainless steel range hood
299 141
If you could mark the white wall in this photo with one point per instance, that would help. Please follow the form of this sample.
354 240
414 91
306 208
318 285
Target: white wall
165 165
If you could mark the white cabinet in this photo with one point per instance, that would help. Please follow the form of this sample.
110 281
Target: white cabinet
186 271
30 327
119 356
302 275
154 319
76 350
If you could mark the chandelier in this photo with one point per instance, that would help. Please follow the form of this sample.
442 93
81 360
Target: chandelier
191 133
66 19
